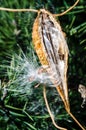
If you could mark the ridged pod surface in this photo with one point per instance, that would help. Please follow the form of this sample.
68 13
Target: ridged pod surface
51 48
37 42
37 38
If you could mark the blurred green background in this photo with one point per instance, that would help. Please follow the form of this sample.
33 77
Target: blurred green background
28 111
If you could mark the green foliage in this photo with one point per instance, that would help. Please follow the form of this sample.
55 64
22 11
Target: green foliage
27 111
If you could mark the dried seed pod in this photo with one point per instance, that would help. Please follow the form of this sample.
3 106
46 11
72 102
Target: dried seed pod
47 29
50 45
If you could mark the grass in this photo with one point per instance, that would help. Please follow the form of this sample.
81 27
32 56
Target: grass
22 106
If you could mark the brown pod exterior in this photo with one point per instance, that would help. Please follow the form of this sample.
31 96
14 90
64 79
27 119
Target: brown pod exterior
37 42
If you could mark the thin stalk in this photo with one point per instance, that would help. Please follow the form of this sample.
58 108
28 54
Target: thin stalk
18 10
67 107
48 108
63 13
73 117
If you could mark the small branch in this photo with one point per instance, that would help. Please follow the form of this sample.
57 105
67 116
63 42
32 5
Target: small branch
18 10
51 115
36 11
73 117
63 13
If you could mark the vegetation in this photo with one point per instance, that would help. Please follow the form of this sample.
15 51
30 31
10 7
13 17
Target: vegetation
22 106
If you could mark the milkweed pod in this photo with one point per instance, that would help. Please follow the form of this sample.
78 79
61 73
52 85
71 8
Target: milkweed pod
46 29
50 45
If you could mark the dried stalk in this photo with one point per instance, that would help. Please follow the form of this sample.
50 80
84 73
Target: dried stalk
18 10
63 13
36 11
50 113
52 117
